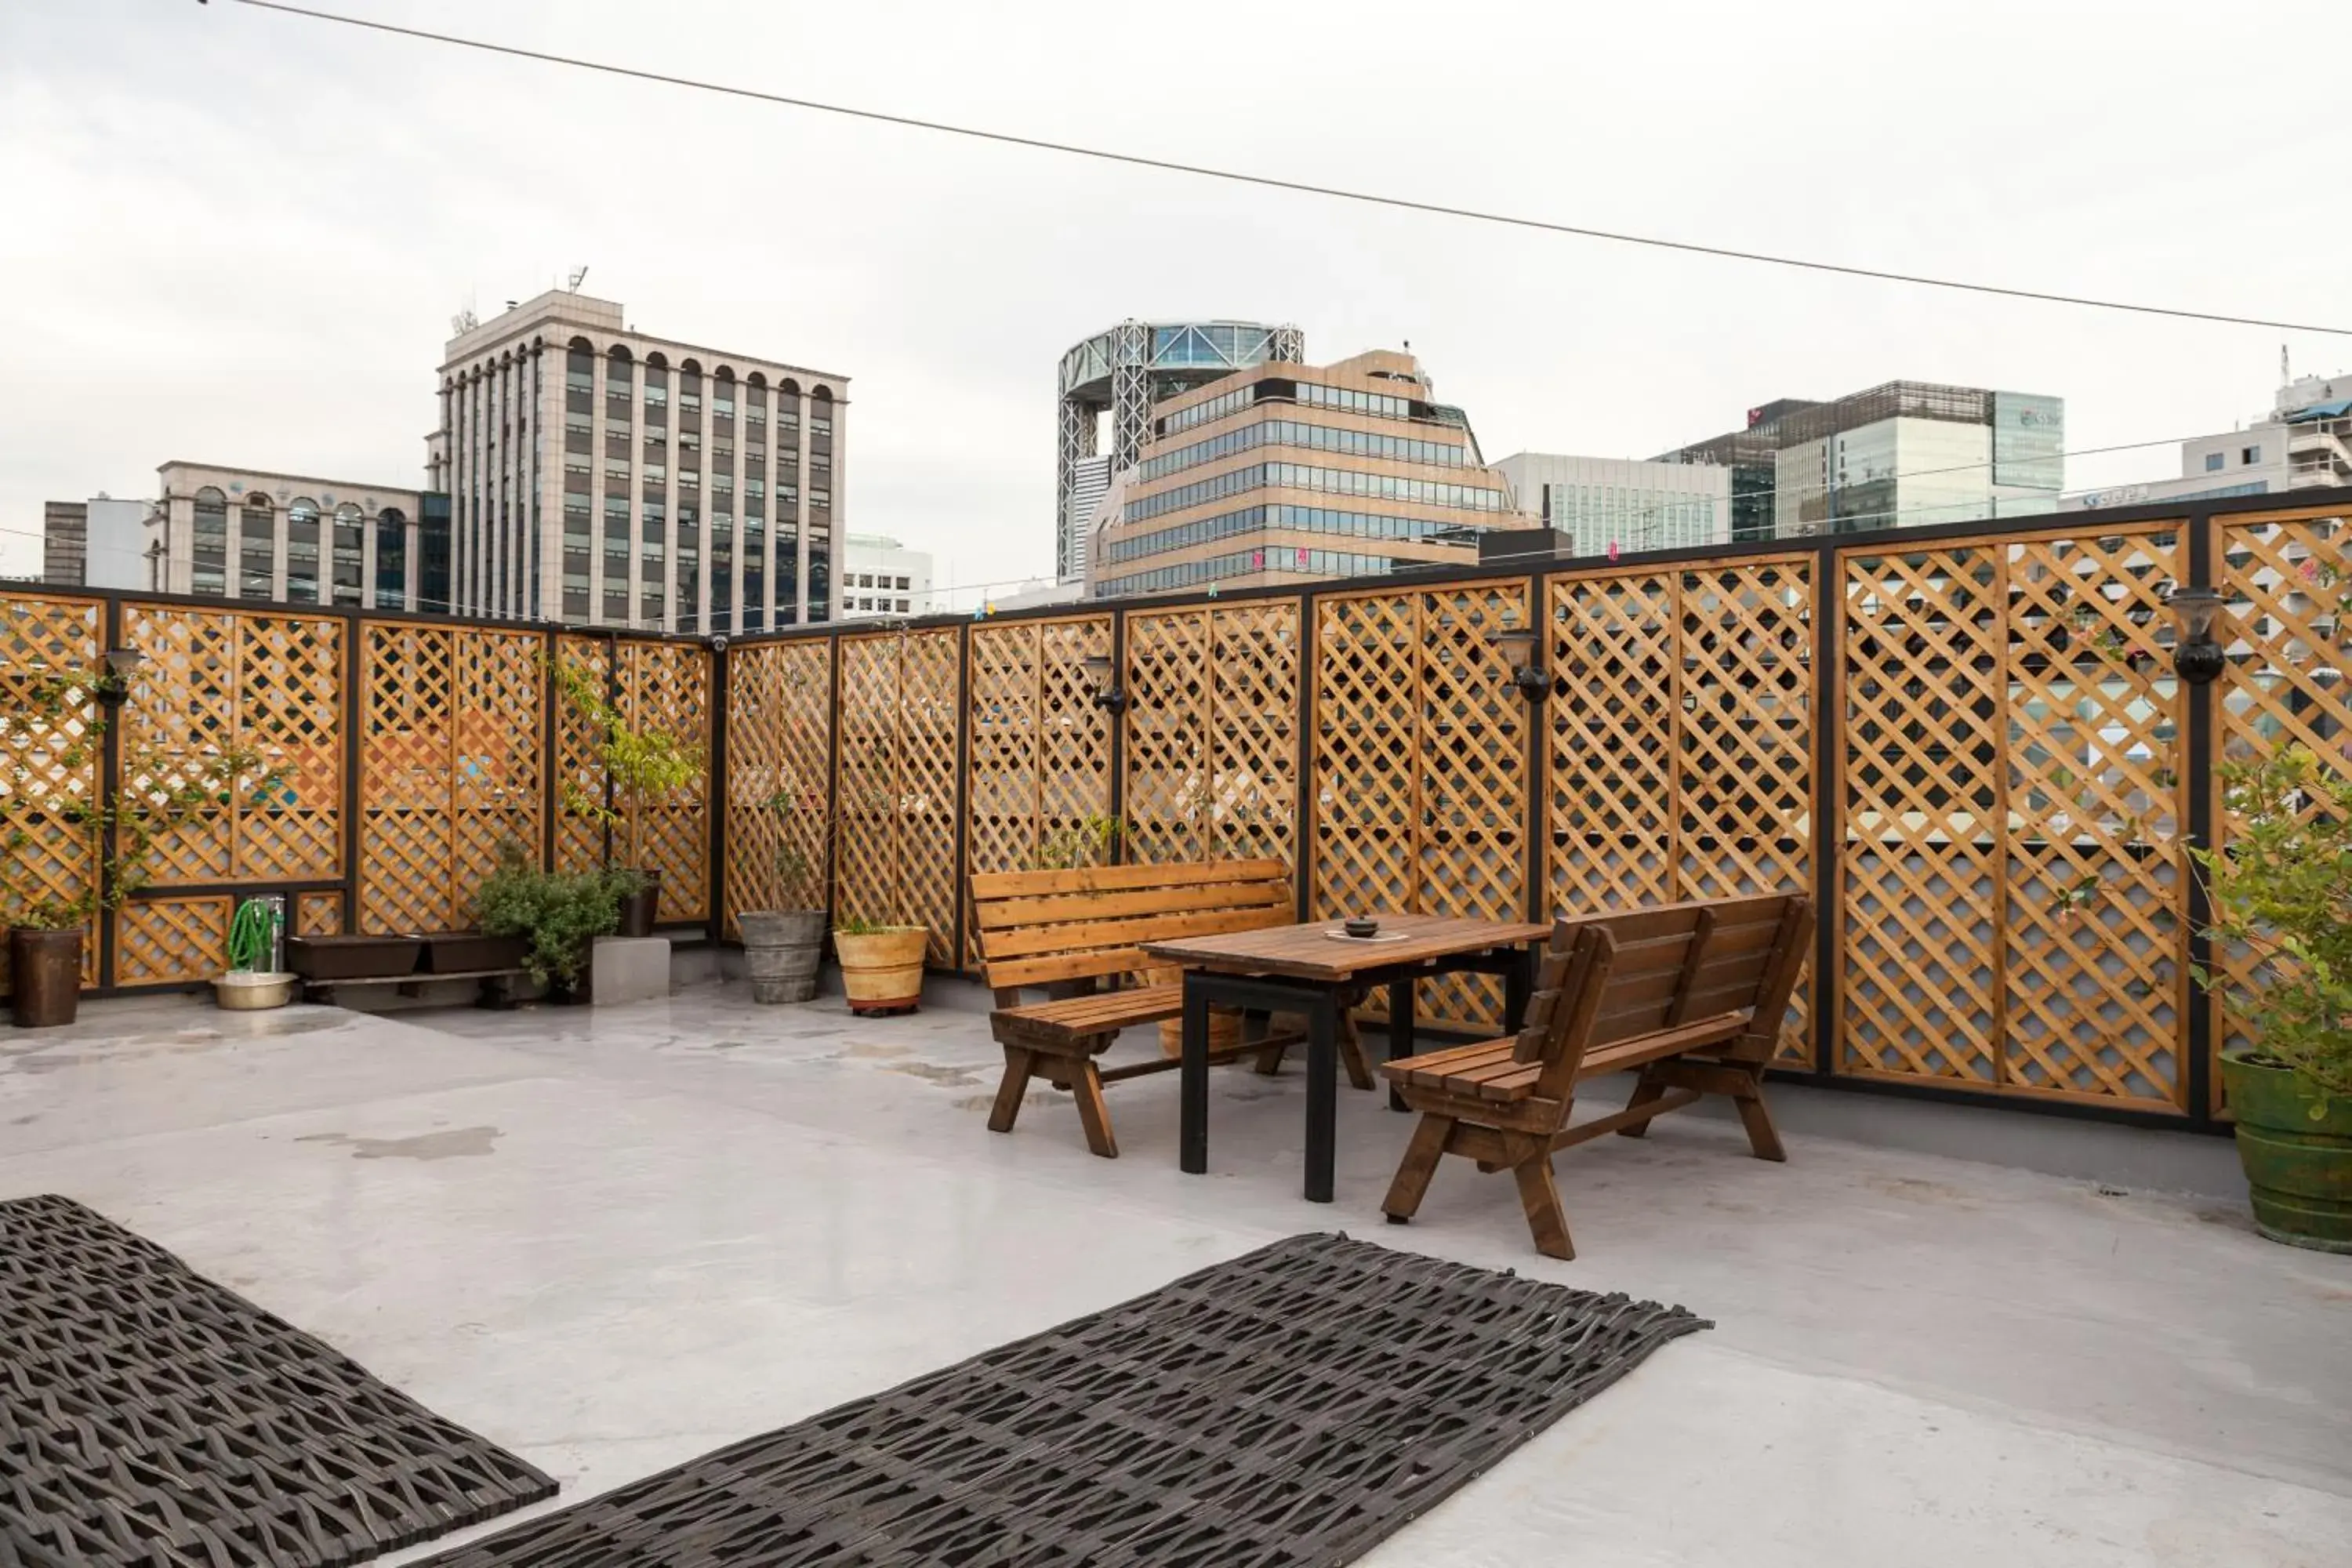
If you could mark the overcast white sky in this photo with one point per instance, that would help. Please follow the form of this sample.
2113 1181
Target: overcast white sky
235 236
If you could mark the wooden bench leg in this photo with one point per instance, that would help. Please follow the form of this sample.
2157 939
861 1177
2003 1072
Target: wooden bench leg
1085 1088
1763 1137
1421 1159
1645 1089
1540 1199
1019 1060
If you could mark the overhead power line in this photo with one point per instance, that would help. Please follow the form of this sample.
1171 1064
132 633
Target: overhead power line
1304 188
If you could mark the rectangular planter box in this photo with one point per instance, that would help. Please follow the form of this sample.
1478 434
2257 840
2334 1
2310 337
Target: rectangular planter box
351 957
459 952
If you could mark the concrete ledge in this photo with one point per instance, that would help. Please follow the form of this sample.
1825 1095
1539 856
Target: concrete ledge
629 969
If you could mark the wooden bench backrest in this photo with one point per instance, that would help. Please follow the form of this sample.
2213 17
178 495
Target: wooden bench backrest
1611 978
1037 928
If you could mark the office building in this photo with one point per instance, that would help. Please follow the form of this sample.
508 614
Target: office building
1904 454
880 577
601 476
1091 480
96 543
1113 379
247 533
1603 506
2304 443
1287 472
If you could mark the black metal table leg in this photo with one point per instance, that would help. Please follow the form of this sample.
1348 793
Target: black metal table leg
1401 1003
1193 1100
1322 1092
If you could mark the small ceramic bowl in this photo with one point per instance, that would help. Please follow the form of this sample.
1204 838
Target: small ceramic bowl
1361 925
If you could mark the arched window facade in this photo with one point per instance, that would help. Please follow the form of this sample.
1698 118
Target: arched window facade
256 548
350 556
208 550
391 559
302 550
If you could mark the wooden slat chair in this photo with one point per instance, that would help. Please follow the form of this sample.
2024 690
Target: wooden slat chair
1083 929
1691 995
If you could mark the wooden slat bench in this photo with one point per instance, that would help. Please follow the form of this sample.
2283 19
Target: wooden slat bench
1083 931
1691 995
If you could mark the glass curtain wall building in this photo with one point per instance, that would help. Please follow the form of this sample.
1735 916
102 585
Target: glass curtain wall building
1105 388
1288 472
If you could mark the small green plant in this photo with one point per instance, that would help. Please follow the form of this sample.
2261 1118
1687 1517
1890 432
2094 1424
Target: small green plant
798 878
646 766
2283 887
560 912
1088 841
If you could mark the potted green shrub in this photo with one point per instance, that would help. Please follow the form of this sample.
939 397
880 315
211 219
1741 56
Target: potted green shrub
644 767
2282 888
782 946
559 915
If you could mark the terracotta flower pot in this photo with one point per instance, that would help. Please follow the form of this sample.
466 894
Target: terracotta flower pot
44 976
882 970
2298 1166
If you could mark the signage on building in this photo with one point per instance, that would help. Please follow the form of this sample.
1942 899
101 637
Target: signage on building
2029 440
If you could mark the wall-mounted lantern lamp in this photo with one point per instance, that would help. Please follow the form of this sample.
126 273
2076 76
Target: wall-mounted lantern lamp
1105 682
113 685
1518 646
2196 657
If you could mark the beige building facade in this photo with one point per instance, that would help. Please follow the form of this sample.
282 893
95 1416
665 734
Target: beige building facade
600 476
1285 473
248 533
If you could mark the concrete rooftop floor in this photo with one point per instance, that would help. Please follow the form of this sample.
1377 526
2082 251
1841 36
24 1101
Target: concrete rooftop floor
613 1238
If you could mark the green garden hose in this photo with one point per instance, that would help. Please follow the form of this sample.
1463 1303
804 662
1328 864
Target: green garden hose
253 936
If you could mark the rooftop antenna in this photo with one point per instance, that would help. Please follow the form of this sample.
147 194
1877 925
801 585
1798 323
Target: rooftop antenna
2285 374
578 275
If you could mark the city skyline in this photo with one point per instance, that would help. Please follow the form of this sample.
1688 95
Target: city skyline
1559 345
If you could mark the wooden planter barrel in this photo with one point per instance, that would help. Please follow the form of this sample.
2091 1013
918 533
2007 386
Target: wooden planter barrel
781 949
882 970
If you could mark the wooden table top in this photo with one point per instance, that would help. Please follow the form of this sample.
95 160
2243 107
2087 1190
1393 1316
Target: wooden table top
1310 953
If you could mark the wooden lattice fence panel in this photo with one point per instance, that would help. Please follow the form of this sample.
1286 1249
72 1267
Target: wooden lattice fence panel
2012 912
1211 753
217 684
1040 747
1420 767
44 641
318 913
2287 578
451 748
866 882
1168 768
171 940
1680 741
1919 812
2095 948
579 767
660 686
667 685
930 712
779 779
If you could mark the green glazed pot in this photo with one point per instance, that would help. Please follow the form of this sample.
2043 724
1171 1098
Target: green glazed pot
2300 1169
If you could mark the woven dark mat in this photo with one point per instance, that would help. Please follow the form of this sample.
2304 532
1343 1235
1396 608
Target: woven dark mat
1293 1406
150 1416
